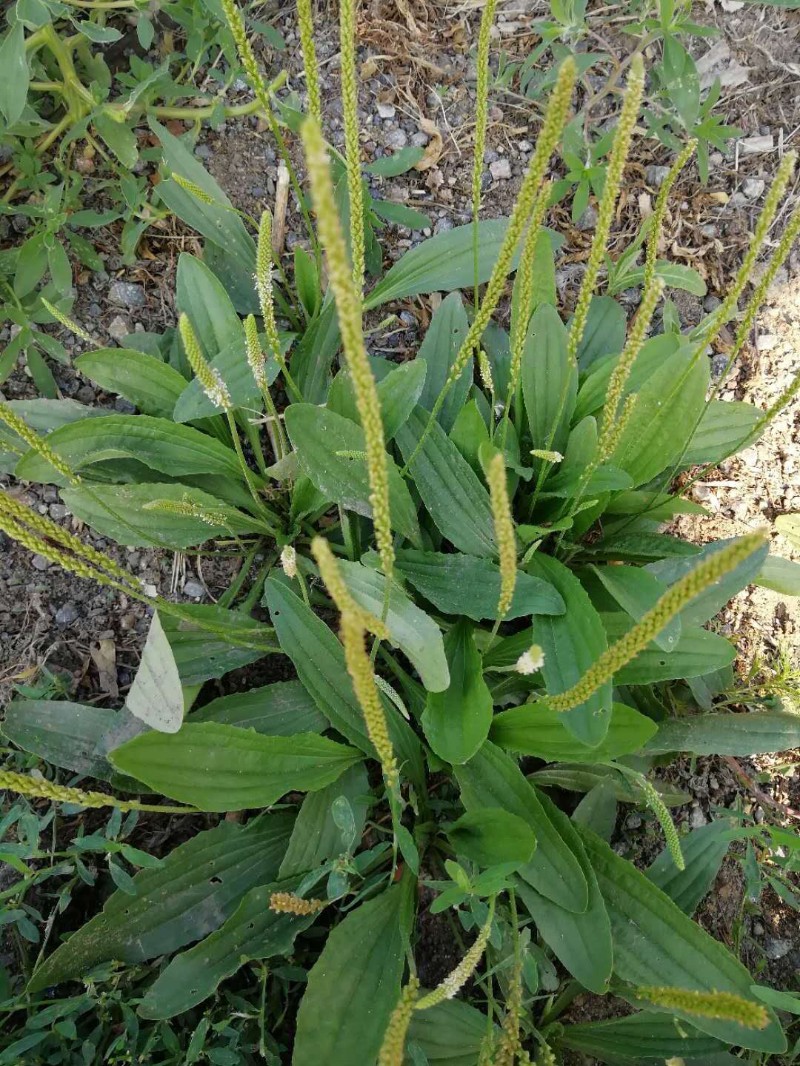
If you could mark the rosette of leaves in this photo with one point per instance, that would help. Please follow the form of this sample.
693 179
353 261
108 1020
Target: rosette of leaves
539 639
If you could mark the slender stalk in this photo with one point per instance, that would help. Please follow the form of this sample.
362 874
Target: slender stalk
355 188
481 122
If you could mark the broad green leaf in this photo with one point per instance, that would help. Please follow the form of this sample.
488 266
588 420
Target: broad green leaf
449 1034
118 514
157 443
604 333
398 393
636 591
189 895
582 777
442 263
723 430
642 1037
698 652
354 985
465 585
748 733
144 380
470 433
312 359
439 348
14 74
119 137
780 575
232 366
536 729
455 499
156 695
592 394
234 640
491 836
307 280
456 720
223 768
598 811
279 710
201 296
492 778
390 166
674 275
571 643
664 413
62 733
316 836
218 222
651 935
331 449
319 660
253 931
410 629
543 290
581 942
714 598
703 851
549 379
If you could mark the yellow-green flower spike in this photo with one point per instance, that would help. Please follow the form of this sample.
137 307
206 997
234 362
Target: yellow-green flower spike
510 1044
75 565
554 121
525 276
348 305
659 808
359 668
481 121
37 443
727 309
210 380
193 189
485 370
289 903
266 298
392 1051
725 1006
70 323
659 211
605 215
305 22
503 532
255 356
630 353
340 593
459 976
355 189
39 788
608 445
48 531
705 574
549 135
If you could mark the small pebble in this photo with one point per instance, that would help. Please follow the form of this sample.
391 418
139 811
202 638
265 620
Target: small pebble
396 139
67 614
386 111
776 949
194 590
127 294
697 818
58 511
119 328
40 563
500 170
753 187
655 175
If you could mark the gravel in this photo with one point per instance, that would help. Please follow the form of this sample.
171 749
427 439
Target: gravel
194 590
753 188
67 614
500 170
119 328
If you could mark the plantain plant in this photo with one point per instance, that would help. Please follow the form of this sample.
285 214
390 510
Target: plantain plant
521 646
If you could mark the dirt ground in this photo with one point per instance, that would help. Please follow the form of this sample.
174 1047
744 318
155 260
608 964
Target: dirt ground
418 88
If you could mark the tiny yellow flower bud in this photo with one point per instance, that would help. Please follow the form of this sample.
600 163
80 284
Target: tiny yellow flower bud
255 356
289 903
531 660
